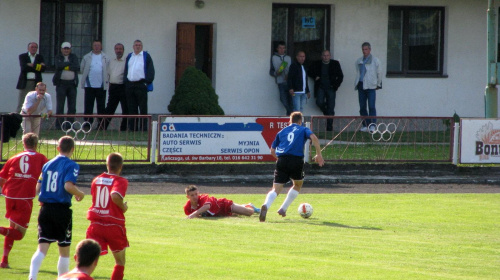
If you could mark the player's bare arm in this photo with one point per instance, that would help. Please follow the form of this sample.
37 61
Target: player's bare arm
38 187
273 153
318 158
74 190
118 200
197 213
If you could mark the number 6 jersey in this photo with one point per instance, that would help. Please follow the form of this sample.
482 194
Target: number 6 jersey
103 209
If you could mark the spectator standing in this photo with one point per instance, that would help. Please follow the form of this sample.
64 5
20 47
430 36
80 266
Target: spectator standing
328 77
95 80
32 66
56 186
106 215
66 80
86 257
280 65
288 149
18 180
297 82
139 75
34 104
117 94
368 80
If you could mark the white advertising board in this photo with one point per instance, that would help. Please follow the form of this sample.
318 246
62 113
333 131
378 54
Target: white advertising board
218 139
479 141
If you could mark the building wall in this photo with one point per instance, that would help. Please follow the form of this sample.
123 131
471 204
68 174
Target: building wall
242 41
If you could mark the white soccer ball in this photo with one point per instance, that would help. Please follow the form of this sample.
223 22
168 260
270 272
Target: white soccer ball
305 210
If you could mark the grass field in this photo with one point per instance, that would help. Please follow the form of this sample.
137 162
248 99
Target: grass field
349 236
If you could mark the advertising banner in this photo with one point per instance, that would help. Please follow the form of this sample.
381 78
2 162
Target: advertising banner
479 141
218 139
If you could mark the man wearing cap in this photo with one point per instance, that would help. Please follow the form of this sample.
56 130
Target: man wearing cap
32 66
95 80
66 80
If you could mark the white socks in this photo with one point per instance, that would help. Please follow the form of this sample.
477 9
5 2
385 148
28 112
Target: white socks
290 197
271 196
62 266
36 262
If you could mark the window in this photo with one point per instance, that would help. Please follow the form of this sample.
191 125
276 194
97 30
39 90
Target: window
415 42
301 27
76 21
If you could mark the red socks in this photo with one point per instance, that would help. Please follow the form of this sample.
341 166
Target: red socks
117 272
7 246
11 232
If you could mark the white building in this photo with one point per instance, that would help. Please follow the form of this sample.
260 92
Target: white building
439 68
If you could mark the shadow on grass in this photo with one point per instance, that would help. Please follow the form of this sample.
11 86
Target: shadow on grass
351 227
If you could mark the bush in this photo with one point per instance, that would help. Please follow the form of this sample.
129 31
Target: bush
195 95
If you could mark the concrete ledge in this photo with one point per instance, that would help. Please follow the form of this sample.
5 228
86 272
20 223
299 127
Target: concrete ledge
329 174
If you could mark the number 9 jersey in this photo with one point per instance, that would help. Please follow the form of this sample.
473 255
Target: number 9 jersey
55 174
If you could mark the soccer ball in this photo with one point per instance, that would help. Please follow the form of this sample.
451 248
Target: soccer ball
305 210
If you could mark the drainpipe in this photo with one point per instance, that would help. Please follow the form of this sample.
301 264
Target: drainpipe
491 92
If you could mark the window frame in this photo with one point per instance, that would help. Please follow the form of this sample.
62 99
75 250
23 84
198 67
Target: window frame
405 72
290 31
58 31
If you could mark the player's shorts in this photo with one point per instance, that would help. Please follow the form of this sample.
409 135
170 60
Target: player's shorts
55 223
114 236
288 167
225 206
19 211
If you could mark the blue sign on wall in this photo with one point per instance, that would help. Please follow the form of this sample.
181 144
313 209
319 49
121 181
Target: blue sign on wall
308 22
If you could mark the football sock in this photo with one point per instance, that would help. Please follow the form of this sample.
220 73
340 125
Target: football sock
117 272
36 262
7 246
271 196
290 197
4 231
62 266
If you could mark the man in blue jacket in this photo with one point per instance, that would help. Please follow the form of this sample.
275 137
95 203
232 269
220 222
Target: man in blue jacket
139 75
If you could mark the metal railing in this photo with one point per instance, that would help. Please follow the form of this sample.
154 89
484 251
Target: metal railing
96 136
388 139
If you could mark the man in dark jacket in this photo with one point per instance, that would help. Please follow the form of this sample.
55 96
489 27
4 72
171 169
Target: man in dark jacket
297 82
66 80
327 76
32 66
138 75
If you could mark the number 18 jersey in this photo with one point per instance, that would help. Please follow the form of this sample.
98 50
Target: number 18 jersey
103 209
55 174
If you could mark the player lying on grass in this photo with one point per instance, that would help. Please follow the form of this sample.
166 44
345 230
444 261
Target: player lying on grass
203 205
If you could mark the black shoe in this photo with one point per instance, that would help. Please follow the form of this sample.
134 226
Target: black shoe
263 213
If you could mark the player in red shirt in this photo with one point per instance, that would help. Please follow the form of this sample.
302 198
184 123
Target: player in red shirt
106 215
86 257
203 205
18 180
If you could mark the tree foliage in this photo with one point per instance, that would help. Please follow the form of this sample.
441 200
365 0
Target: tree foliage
195 95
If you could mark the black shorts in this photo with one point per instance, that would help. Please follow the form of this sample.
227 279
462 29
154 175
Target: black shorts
288 167
55 223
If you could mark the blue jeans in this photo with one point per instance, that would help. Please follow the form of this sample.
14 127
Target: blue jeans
367 95
325 99
285 98
298 102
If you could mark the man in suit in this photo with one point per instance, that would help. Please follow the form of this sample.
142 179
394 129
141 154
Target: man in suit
32 66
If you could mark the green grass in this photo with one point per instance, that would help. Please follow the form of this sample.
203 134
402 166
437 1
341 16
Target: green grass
349 236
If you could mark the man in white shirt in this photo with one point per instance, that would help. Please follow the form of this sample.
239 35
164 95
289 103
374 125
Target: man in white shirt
139 75
34 104
94 80
117 94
